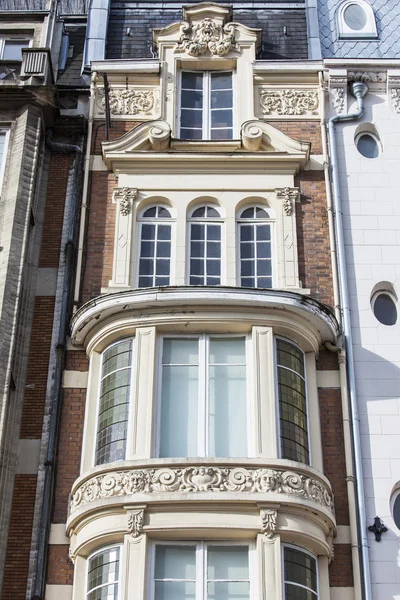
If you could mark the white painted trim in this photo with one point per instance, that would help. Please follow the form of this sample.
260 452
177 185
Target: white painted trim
57 534
75 379
59 592
342 593
343 535
328 379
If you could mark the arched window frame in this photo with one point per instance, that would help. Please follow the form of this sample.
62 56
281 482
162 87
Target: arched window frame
207 221
301 550
102 550
369 31
270 220
157 221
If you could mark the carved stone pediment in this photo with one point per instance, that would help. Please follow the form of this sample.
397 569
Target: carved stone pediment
207 38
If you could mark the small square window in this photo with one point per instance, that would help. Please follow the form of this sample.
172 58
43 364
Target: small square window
12 49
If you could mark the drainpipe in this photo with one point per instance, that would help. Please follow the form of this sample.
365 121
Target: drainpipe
358 90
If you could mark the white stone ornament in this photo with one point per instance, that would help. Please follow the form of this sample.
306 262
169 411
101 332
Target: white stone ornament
128 101
366 76
395 95
206 37
338 99
135 522
288 197
125 196
289 102
268 522
201 479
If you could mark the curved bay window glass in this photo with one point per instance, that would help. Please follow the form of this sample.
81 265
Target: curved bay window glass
103 575
155 247
114 402
255 238
205 246
300 575
292 402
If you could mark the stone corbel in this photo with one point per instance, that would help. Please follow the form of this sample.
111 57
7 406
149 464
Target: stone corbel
288 196
125 196
338 90
393 89
135 520
269 519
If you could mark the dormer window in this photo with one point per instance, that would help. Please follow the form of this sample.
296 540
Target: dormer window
356 19
206 105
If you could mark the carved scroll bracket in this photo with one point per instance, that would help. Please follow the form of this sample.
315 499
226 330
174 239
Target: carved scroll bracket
135 521
125 196
269 520
288 197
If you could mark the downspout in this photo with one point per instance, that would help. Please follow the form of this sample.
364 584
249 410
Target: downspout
358 90
55 409
87 166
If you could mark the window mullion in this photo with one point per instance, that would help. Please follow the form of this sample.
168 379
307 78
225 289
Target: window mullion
206 396
206 105
202 416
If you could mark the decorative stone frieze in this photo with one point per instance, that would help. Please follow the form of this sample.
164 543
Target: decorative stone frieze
289 102
125 196
366 76
206 37
288 197
133 102
339 97
268 522
395 96
135 522
202 478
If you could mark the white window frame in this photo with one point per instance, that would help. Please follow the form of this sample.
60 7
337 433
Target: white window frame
270 221
304 551
369 31
278 414
206 220
6 131
206 110
13 38
202 432
100 551
201 563
160 221
131 388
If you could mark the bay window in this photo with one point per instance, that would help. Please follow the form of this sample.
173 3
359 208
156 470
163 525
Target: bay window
255 247
206 105
155 247
201 571
114 402
103 574
205 246
300 575
203 397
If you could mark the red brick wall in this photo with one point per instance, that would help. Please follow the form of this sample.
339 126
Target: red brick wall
38 363
100 236
19 538
76 360
303 131
327 361
341 568
53 220
69 449
118 129
60 570
313 236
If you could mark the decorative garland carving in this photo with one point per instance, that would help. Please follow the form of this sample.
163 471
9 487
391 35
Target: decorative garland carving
366 77
395 95
128 101
201 479
288 196
338 99
125 196
135 522
289 102
207 37
268 522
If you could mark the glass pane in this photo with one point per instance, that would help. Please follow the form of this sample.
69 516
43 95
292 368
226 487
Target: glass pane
107 592
164 232
212 212
221 134
214 232
197 249
227 351
191 134
163 213
247 282
228 590
221 118
117 357
290 356
199 212
294 592
197 231
225 562
162 266
145 282
263 232
146 266
264 267
300 568
175 562
164 250
248 213
247 250
103 568
264 282
396 511
196 266
180 351
213 250
192 99
385 309
247 268
147 248
213 280
263 250
161 281
148 231
191 118
150 212
213 268
246 233
221 99
368 146
261 213
12 49
175 590
192 81
221 81
355 17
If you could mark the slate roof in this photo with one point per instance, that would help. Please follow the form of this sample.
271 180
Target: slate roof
387 14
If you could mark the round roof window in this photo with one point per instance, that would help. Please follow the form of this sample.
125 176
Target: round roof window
396 511
355 17
367 145
385 309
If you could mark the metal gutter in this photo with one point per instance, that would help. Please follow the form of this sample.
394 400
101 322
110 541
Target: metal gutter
358 90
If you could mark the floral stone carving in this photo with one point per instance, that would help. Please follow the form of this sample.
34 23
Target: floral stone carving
268 522
201 479
125 196
128 101
338 99
206 37
395 94
366 77
288 197
289 102
135 522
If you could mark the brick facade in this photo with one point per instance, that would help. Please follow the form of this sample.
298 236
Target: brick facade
303 131
76 360
60 570
341 569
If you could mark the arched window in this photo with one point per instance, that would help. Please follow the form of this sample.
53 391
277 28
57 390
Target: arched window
155 247
356 19
255 247
205 246
104 574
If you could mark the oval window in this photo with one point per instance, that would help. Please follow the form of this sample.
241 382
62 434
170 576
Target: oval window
367 146
396 511
355 17
385 309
